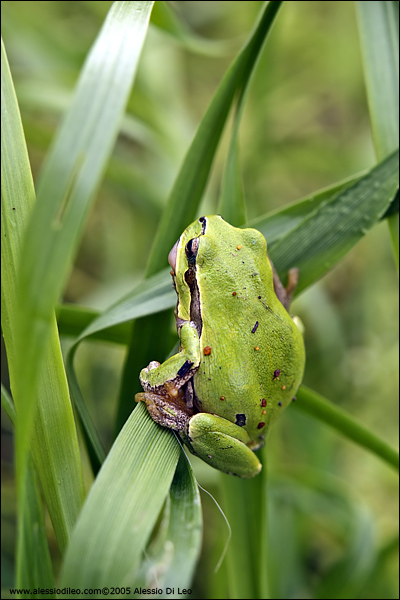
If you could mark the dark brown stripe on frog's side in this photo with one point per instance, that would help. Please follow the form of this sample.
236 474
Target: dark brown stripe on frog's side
185 368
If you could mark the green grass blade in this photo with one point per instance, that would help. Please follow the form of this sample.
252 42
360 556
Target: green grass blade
328 232
17 200
319 407
122 507
54 445
379 33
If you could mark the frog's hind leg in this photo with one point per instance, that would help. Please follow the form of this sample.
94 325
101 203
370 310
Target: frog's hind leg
285 294
221 444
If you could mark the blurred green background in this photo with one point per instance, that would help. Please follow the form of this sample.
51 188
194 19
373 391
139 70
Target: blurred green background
305 126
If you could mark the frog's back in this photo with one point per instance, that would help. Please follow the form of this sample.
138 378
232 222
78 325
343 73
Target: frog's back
252 353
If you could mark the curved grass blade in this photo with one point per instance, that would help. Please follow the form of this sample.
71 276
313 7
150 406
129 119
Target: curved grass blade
122 507
324 410
76 162
54 444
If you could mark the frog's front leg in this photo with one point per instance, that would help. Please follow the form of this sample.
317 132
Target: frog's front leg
221 444
163 383
167 411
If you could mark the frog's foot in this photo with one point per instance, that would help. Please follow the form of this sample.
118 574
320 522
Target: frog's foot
293 280
221 444
285 293
165 410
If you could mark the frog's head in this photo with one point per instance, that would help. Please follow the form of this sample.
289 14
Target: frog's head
219 237
185 250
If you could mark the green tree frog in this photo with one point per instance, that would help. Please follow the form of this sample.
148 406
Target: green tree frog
242 355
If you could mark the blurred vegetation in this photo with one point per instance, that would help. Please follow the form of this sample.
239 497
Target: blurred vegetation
305 126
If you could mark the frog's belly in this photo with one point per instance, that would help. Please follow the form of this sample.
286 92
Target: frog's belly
249 379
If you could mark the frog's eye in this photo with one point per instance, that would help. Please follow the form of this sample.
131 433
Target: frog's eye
192 247
172 256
